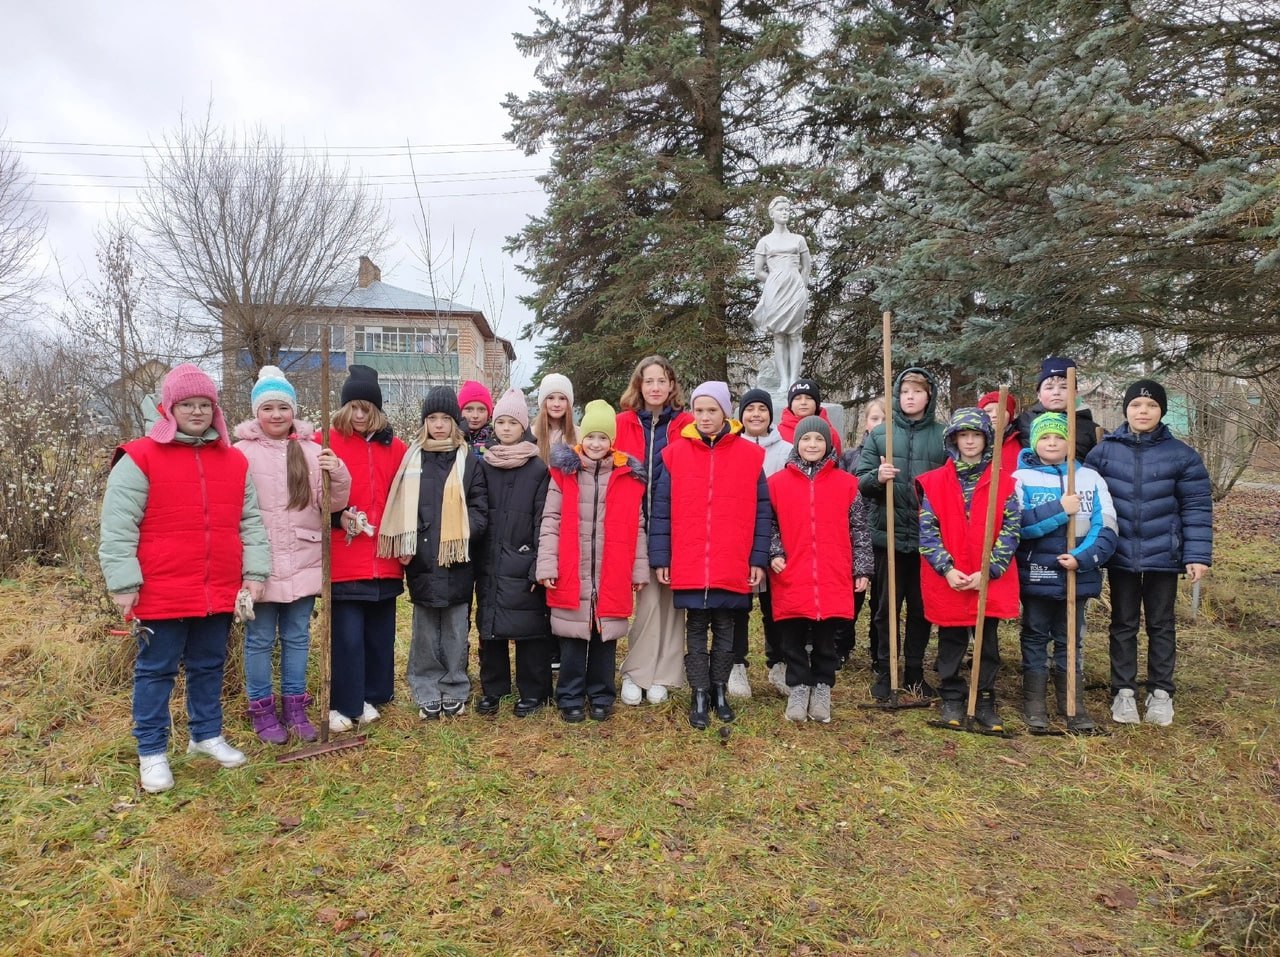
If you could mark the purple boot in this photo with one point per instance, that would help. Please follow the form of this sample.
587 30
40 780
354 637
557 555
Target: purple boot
263 714
295 716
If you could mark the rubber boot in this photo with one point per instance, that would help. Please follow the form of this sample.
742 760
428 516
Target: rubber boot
1034 711
265 722
720 695
700 709
295 716
1083 722
985 714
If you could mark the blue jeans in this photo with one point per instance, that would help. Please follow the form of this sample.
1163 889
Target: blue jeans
1044 622
200 645
293 620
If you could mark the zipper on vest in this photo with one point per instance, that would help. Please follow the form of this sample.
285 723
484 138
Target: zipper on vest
813 537
208 536
595 522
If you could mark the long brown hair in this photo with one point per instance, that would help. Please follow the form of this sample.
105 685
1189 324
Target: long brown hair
541 429
633 397
377 419
298 474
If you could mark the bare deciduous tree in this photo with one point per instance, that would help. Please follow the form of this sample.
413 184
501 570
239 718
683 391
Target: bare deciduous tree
21 230
255 232
129 336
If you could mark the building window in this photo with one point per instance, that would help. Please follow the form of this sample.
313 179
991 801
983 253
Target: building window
407 392
306 335
406 340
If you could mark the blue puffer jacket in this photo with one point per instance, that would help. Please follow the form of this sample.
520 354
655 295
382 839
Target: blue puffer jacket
1163 499
1040 488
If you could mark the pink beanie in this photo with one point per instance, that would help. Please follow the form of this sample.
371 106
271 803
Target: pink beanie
715 390
472 391
514 404
185 382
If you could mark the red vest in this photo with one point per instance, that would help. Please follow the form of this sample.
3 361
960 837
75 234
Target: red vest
372 466
630 437
813 517
713 510
962 538
189 544
615 596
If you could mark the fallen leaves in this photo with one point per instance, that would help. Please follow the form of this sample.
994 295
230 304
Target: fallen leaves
1120 897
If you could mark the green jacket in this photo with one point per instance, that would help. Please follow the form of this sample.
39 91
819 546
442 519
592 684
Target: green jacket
917 448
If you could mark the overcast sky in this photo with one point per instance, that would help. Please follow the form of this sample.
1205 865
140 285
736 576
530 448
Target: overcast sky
358 79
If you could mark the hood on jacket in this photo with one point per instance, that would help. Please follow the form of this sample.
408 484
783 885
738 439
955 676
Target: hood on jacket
812 468
565 458
731 427
929 409
251 430
1027 459
968 420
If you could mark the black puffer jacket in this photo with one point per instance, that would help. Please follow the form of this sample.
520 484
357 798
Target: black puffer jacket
429 584
509 602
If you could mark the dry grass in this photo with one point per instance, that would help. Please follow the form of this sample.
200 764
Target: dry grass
874 835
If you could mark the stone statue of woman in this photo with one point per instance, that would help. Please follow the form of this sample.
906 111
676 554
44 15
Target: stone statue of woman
782 263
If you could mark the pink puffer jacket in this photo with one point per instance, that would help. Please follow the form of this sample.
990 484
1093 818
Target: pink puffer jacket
294 535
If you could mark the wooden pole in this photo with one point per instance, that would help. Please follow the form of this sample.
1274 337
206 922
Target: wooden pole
1071 544
995 507
326 549
891 551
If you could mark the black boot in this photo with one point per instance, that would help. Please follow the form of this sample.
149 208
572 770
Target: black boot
700 709
720 696
1083 722
880 684
1034 711
951 712
913 682
986 715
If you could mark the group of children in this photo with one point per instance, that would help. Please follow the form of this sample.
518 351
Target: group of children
657 523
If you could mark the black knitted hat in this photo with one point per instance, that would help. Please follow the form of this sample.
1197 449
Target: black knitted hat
362 383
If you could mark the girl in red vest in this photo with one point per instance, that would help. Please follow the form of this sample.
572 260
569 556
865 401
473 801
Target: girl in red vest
820 555
591 558
365 587
953 515
181 538
709 539
653 414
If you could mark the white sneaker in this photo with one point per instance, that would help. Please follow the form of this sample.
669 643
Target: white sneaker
1159 709
1124 707
370 714
632 693
738 686
778 678
218 749
657 694
339 722
155 773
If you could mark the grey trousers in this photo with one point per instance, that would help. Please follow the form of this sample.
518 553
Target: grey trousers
438 654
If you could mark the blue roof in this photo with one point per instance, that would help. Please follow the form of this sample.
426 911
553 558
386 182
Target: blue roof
381 297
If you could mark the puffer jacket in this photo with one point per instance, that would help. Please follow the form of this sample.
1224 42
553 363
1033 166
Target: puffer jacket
917 448
1040 488
181 527
1163 499
372 460
432 584
509 602
294 535
606 535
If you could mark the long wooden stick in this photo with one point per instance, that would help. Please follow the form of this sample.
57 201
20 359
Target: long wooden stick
326 549
1071 544
891 551
994 508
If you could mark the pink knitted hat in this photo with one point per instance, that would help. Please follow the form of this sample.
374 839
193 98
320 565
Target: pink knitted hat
472 391
185 382
514 404
714 390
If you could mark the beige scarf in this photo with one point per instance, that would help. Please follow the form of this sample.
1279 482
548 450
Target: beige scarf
398 535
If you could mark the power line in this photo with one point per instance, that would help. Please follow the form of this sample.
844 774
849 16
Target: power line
138 176
398 182
390 199
152 146
289 151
